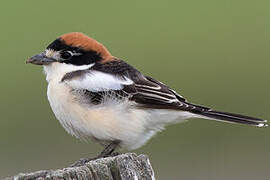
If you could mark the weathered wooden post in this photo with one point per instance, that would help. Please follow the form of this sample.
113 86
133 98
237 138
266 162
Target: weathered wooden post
127 166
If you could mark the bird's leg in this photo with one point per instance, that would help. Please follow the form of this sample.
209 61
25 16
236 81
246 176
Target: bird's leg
107 152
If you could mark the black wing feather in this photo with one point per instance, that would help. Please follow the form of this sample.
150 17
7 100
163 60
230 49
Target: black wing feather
146 91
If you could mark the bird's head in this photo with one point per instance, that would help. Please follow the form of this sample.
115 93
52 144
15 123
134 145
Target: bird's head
73 48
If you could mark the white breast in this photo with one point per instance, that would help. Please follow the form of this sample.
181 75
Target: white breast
111 121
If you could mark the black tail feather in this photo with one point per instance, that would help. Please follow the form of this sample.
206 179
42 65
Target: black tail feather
233 118
223 116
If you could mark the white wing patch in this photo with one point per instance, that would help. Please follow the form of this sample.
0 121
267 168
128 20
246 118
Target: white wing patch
96 81
149 87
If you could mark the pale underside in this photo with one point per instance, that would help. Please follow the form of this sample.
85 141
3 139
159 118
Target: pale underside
111 120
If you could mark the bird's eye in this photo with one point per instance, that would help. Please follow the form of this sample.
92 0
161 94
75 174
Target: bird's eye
66 55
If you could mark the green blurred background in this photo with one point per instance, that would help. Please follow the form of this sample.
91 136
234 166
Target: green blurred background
216 53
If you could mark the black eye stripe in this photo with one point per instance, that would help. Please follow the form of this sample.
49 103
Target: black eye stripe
78 56
66 55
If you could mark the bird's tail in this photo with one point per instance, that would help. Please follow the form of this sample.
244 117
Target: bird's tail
227 117
234 118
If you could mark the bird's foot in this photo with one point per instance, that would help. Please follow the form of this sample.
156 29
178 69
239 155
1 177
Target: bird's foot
107 152
83 161
113 154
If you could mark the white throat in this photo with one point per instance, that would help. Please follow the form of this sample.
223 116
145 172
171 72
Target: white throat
56 70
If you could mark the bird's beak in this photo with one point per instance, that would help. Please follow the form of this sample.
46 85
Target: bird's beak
40 59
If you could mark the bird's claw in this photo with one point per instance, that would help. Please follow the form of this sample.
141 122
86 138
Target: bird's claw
83 161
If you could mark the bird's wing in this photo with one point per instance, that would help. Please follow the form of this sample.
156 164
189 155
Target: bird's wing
150 93
122 80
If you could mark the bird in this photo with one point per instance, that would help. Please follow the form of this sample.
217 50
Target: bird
97 96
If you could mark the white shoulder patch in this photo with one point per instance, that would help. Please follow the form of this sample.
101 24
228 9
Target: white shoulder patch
98 81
